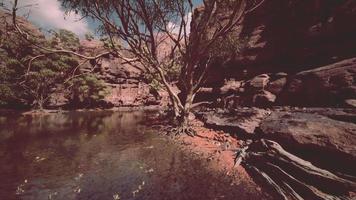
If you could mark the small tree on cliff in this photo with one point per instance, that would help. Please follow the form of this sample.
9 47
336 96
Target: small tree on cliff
145 25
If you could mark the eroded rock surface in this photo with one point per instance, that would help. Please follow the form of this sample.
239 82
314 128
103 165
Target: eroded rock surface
324 86
241 120
127 83
324 135
302 153
292 36
329 86
351 102
311 42
312 133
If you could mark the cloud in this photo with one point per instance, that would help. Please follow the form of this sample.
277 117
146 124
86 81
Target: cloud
175 27
49 15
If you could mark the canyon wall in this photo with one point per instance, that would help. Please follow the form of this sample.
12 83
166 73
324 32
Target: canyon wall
304 49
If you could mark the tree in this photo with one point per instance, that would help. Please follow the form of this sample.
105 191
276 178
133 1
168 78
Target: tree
89 36
48 76
86 91
65 39
144 25
32 67
29 76
28 81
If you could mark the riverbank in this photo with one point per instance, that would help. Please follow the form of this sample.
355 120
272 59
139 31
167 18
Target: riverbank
4 111
307 152
219 149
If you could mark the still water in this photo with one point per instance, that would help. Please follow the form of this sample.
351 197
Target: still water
101 155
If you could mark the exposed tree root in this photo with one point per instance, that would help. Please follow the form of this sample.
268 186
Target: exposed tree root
241 153
181 130
292 177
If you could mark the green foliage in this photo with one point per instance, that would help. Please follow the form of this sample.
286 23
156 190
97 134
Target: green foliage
33 85
6 94
108 43
173 68
21 85
153 81
65 39
89 36
12 52
45 76
86 90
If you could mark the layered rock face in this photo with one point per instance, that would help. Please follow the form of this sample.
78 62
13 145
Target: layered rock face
127 83
331 85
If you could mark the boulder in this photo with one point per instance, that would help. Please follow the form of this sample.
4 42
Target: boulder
351 102
333 85
263 99
277 86
230 86
258 83
324 136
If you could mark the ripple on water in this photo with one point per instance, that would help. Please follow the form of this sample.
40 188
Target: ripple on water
101 155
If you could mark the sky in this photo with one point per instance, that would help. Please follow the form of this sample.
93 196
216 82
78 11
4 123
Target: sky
48 14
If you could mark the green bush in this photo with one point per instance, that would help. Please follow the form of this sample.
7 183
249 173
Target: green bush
89 36
65 39
34 86
86 91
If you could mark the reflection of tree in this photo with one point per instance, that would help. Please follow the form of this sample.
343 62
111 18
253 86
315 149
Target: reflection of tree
68 143
119 156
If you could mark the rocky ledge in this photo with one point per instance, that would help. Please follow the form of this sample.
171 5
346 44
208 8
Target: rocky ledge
300 152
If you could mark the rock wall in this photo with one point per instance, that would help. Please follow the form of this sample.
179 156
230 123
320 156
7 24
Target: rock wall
298 53
333 85
127 83
293 35
309 150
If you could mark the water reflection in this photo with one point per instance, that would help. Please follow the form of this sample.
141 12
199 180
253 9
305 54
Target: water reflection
101 155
